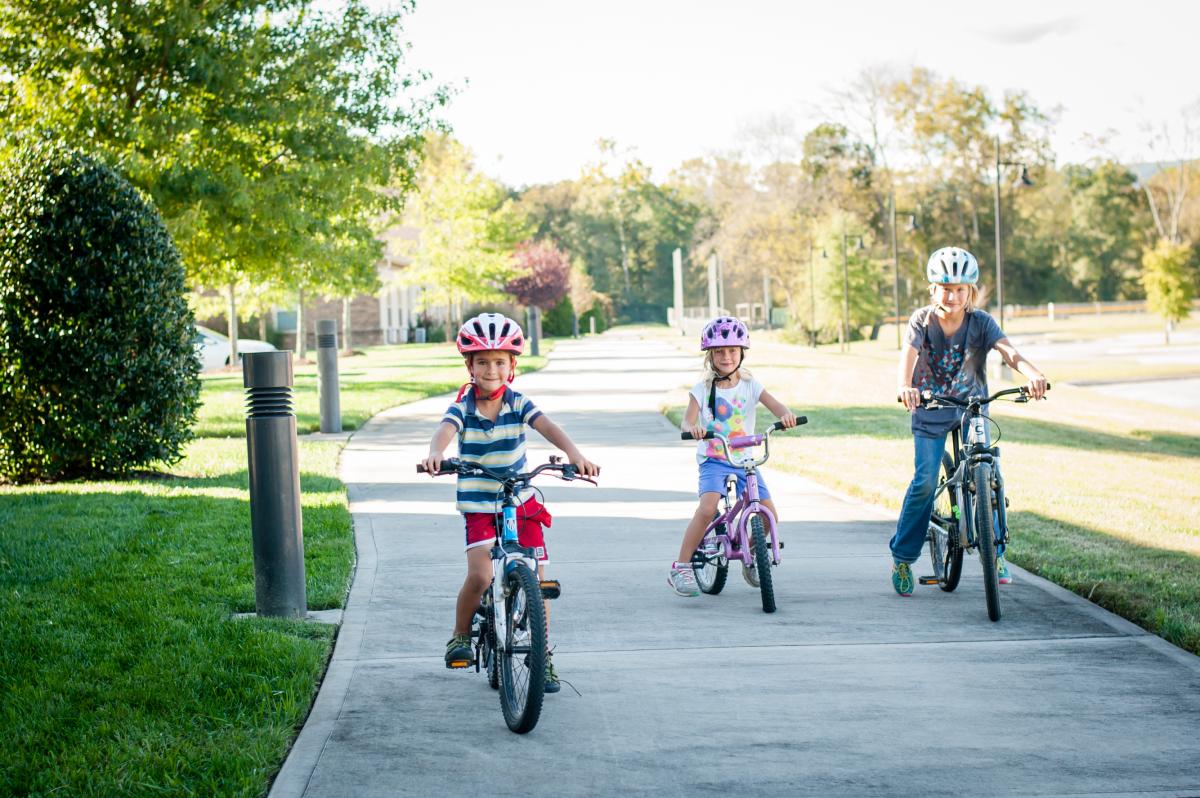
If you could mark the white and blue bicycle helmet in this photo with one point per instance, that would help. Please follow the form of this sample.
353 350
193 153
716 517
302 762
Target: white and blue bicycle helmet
951 265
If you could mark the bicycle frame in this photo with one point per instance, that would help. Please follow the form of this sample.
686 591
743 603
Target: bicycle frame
970 448
748 504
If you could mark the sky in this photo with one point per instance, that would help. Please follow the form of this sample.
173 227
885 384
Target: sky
540 81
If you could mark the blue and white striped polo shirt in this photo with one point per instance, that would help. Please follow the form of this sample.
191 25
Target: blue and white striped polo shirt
499 445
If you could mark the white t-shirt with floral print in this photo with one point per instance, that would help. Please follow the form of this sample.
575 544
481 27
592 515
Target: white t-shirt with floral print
735 412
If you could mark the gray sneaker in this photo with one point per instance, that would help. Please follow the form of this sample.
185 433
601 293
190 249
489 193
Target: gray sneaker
683 580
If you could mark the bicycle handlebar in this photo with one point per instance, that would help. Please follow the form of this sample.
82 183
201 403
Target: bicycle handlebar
930 396
709 435
453 465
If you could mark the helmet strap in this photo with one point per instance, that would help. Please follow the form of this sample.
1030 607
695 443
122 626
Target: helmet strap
712 391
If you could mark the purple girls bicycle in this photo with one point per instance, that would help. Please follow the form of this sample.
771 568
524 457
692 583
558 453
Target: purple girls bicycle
738 532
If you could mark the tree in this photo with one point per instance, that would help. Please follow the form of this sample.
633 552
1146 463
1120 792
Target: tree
258 128
468 231
543 275
1169 278
97 360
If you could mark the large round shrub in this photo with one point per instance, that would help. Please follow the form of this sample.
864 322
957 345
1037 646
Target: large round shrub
98 373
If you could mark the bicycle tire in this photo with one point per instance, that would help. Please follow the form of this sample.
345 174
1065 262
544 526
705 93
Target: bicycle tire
711 575
987 540
523 660
944 550
762 562
490 660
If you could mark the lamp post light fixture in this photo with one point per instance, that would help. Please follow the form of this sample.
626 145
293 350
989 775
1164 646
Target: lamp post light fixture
1022 182
912 226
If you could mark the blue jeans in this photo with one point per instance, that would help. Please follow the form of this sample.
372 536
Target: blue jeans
906 544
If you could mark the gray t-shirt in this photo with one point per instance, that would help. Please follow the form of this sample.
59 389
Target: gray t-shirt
952 367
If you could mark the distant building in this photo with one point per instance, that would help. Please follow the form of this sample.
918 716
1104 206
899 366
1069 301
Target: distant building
387 317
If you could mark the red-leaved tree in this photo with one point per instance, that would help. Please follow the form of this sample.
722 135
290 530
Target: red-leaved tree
544 275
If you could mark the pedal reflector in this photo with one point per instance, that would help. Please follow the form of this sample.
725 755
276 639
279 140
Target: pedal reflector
459 663
551 589
928 580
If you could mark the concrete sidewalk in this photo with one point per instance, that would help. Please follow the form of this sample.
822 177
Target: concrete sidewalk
847 690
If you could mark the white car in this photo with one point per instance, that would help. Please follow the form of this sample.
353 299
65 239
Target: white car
213 348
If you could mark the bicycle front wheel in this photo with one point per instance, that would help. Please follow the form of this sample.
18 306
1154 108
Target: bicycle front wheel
523 660
987 539
762 562
944 550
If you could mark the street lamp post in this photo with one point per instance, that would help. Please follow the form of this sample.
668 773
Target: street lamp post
812 296
912 225
846 288
1022 181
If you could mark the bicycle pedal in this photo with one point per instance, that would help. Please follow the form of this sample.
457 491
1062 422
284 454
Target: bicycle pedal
458 664
781 544
551 589
928 580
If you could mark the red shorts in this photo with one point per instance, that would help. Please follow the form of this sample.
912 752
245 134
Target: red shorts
531 517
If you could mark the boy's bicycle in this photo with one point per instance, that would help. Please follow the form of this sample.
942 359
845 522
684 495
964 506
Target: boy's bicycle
510 623
738 532
969 489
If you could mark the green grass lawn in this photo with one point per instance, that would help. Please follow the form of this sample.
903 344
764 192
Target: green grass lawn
123 671
1105 492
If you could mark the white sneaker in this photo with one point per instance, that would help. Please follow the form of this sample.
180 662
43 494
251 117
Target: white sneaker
750 574
683 580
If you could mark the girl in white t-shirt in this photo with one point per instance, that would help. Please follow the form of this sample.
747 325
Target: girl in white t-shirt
724 402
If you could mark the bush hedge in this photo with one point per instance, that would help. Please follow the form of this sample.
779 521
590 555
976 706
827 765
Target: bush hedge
98 370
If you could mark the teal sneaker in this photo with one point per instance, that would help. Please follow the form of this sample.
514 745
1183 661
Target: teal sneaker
902 578
1002 570
458 652
552 685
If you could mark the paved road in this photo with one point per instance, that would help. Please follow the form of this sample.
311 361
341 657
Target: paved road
847 690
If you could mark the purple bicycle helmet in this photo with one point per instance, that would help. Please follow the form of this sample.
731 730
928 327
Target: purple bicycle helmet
724 331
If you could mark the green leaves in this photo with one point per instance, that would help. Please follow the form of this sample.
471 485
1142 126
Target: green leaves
261 129
95 335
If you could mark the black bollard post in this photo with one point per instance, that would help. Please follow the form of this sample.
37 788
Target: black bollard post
274 485
327 368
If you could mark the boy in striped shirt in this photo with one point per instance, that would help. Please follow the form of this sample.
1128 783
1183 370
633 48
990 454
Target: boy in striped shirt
489 419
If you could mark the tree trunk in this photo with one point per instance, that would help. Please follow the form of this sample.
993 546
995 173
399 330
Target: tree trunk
347 343
233 327
262 327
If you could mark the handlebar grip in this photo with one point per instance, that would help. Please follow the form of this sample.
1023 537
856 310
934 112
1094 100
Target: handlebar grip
449 466
778 425
687 436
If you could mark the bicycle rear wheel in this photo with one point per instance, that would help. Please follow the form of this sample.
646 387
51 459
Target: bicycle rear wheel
762 562
711 572
490 661
944 549
987 540
523 660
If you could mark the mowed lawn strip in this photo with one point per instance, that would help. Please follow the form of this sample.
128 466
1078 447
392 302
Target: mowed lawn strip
123 671
1105 492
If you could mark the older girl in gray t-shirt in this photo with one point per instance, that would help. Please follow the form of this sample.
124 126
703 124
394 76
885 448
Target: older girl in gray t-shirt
948 344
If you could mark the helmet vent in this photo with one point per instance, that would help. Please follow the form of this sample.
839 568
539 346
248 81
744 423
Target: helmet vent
478 328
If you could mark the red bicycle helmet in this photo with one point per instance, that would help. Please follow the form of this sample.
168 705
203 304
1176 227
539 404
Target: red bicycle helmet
490 332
